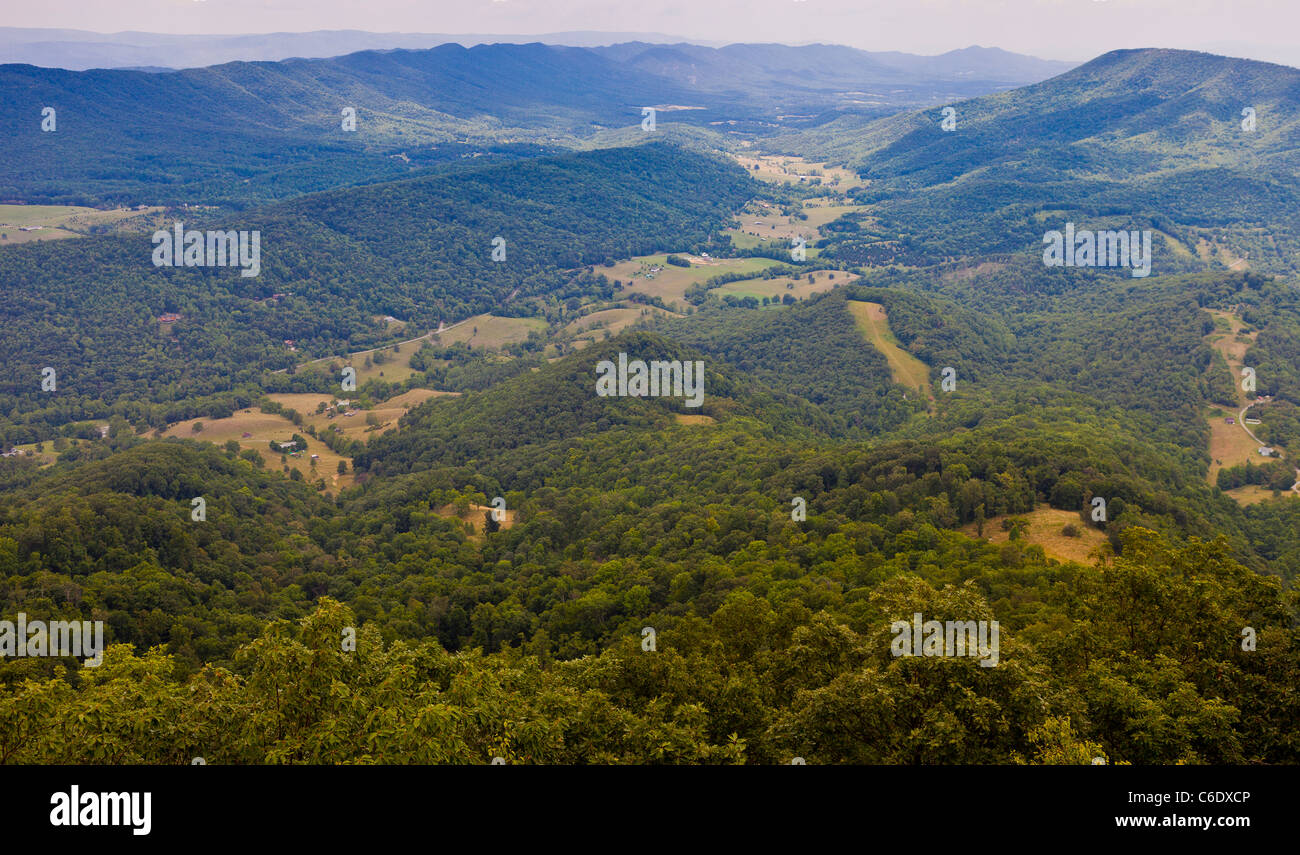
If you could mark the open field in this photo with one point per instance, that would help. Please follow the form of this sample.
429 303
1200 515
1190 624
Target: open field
1230 444
1208 251
395 365
477 517
47 455
481 331
963 274
356 426
767 226
264 428
395 368
906 369
1253 494
55 222
669 283
1045 525
760 222
489 331
775 288
615 320
786 169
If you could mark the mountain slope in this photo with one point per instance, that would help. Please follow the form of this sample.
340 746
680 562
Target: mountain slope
150 137
1134 139
420 250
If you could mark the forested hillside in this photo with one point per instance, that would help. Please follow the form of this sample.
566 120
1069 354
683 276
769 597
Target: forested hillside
1198 147
420 250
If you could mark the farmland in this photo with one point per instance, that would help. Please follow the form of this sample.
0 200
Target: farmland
253 429
1230 444
57 222
800 287
669 283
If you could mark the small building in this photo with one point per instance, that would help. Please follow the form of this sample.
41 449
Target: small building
247 435
1230 420
169 318
1252 421
1266 451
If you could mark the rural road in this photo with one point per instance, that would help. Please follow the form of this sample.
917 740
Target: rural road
1241 420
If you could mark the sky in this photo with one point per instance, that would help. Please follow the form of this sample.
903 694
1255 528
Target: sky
1053 29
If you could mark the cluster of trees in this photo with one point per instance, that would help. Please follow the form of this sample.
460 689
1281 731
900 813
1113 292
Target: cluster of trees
1274 476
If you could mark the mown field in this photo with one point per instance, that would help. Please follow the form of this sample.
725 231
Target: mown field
670 283
905 368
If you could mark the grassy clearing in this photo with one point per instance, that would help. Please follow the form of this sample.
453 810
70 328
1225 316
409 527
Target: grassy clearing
963 274
758 223
393 366
362 424
776 288
476 516
489 331
615 320
905 368
57 222
1230 444
264 428
1253 494
46 456
393 362
1044 529
785 169
669 283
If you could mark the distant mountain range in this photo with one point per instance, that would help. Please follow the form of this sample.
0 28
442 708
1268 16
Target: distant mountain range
1189 142
280 122
81 49
820 67
674 56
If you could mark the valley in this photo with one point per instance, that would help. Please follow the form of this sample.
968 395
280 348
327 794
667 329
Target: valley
439 296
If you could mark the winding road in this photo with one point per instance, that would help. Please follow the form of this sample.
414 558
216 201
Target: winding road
1241 420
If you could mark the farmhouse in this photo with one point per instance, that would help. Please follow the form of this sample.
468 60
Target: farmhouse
1266 451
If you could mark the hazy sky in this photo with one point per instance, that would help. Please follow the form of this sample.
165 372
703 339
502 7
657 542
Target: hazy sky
1058 29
